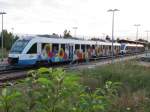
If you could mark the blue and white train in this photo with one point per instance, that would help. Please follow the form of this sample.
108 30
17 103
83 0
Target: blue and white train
36 50
131 48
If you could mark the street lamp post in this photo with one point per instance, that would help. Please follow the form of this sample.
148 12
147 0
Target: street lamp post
75 30
2 41
137 26
103 37
147 42
113 13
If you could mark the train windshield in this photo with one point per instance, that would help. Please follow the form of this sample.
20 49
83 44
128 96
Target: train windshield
122 47
18 46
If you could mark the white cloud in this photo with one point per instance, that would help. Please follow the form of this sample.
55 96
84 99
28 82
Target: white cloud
90 16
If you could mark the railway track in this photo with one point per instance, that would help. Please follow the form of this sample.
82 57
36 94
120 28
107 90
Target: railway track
11 74
10 69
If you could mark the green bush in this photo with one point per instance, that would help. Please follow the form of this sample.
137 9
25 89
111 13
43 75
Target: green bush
54 90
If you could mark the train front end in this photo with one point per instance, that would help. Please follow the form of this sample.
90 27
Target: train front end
16 52
122 50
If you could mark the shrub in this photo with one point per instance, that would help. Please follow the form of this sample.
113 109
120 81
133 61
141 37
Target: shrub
54 90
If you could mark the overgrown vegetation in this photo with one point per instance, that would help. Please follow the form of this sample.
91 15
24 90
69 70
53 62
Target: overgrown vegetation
111 88
53 90
134 93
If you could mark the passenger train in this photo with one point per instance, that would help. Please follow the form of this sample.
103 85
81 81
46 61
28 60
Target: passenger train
131 48
37 50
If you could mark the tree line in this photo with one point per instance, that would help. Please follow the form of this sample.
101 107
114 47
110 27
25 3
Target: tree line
8 39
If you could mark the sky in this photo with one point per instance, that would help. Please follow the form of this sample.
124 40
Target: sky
89 16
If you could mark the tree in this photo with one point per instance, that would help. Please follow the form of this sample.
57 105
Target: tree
8 39
55 34
148 45
118 39
67 34
107 37
142 40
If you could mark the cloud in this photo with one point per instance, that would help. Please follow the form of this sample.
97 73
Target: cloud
90 16
8 4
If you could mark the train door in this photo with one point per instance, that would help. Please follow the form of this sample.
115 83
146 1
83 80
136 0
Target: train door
39 51
110 50
101 50
104 50
88 54
30 57
71 52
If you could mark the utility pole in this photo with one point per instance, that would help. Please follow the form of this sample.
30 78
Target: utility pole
147 43
137 26
75 30
113 13
103 37
2 41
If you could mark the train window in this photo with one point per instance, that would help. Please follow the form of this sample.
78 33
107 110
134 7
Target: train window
43 45
33 49
77 46
104 47
127 48
110 47
117 47
122 47
93 46
83 48
55 48
101 47
19 46
63 46
87 46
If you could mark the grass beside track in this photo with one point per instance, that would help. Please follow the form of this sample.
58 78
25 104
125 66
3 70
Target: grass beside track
134 94
130 74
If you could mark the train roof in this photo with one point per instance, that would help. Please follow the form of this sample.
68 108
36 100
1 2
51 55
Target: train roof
133 45
67 41
26 38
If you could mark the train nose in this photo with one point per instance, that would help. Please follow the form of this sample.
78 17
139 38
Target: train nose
13 61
